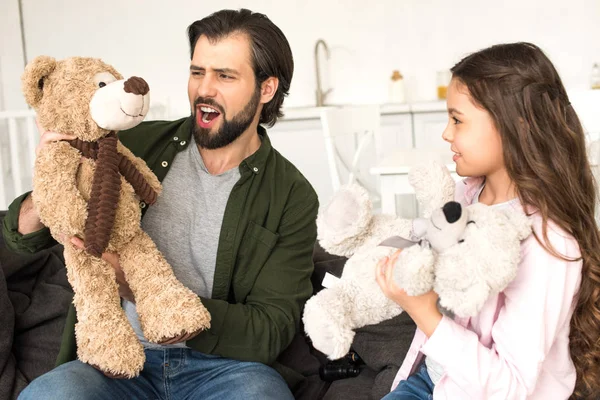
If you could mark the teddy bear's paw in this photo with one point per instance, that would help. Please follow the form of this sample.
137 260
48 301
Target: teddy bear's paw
342 224
414 270
326 327
463 302
433 185
331 340
175 312
115 350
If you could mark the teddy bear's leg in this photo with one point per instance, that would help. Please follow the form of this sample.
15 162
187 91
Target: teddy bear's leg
165 307
332 315
328 320
105 338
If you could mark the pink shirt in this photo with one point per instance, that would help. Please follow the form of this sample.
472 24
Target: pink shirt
518 345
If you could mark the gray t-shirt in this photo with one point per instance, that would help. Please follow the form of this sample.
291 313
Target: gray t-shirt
185 223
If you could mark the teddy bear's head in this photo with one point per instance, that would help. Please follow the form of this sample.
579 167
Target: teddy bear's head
84 97
478 252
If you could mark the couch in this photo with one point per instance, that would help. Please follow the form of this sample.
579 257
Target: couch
35 296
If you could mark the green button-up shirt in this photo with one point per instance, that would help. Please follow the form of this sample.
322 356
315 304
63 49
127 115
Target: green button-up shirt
264 256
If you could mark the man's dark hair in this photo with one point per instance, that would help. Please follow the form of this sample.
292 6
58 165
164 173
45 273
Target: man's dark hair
271 52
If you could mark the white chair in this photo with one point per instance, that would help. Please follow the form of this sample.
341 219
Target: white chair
353 145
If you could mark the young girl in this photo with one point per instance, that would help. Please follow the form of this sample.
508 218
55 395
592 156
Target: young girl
514 133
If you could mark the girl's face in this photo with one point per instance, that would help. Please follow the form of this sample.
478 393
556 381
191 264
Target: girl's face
472 135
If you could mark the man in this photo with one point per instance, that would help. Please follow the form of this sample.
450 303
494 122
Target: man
236 221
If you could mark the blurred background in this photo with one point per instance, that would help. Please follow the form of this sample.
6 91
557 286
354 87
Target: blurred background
362 45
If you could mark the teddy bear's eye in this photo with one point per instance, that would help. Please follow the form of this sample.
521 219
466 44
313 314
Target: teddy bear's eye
102 84
461 240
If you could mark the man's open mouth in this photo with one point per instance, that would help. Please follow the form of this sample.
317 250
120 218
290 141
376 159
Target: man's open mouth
206 115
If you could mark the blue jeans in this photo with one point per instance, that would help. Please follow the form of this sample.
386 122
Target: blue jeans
418 386
167 374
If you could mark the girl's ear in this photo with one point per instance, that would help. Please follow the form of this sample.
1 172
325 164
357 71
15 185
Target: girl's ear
32 80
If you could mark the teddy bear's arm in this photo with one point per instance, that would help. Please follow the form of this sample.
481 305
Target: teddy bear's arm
142 167
56 197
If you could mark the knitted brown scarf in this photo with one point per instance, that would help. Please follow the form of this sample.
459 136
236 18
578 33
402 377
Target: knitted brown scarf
106 186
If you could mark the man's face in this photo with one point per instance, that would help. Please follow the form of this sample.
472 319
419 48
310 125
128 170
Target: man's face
222 90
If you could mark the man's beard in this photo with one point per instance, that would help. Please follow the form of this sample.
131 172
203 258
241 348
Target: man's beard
229 130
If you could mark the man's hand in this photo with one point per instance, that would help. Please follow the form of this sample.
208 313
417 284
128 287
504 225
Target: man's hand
29 219
47 137
113 259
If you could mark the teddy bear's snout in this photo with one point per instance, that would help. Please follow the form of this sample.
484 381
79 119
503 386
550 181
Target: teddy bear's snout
136 85
452 211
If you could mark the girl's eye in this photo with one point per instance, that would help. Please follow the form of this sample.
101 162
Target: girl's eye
456 121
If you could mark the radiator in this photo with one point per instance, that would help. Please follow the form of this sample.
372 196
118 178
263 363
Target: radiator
18 139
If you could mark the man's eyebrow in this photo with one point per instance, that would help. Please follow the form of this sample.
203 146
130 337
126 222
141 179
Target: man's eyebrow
227 71
220 70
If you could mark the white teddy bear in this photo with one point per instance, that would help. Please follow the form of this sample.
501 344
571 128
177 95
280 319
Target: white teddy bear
464 254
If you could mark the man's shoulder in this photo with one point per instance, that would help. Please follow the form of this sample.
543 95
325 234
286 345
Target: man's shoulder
147 136
289 176
147 128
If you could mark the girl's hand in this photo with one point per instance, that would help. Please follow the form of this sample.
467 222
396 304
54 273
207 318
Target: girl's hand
422 309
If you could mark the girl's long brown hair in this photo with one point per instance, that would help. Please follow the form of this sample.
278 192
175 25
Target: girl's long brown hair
545 154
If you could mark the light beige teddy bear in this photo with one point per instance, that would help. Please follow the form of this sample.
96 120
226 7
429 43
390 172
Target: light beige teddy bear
466 254
91 188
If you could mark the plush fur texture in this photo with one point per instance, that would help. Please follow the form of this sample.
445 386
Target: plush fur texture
467 255
347 227
65 94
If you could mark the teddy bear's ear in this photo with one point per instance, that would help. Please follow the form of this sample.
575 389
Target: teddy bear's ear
521 223
33 78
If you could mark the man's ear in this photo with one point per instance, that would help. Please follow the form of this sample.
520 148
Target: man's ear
32 80
268 89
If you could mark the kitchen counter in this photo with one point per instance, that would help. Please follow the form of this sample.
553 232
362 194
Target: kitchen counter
312 112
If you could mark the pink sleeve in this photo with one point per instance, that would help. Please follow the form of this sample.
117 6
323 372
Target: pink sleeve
535 316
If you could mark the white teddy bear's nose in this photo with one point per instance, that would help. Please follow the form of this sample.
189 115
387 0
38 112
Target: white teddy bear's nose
452 211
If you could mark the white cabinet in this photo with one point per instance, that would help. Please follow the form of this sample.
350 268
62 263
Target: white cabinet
396 132
299 137
428 128
302 143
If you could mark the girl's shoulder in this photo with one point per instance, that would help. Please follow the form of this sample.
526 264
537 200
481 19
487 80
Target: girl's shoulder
556 237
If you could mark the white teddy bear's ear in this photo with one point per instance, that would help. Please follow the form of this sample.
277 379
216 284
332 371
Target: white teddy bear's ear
433 185
521 223
341 224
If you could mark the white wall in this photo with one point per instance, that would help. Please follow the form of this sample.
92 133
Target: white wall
367 40
11 57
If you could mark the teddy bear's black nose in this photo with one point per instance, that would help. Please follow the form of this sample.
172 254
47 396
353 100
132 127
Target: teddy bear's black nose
452 211
136 85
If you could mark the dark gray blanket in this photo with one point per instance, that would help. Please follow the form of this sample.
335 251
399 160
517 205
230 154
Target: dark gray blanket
34 299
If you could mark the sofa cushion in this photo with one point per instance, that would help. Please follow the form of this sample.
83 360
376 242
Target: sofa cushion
34 299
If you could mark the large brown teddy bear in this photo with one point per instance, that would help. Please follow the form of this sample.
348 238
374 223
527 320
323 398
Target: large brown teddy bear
91 188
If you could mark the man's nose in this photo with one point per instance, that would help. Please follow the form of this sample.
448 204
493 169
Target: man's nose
207 87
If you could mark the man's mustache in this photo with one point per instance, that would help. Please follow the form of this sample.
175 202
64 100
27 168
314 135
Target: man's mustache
209 102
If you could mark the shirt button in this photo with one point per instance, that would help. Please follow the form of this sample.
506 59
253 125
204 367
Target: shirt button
142 204
164 163
175 138
183 142
255 169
